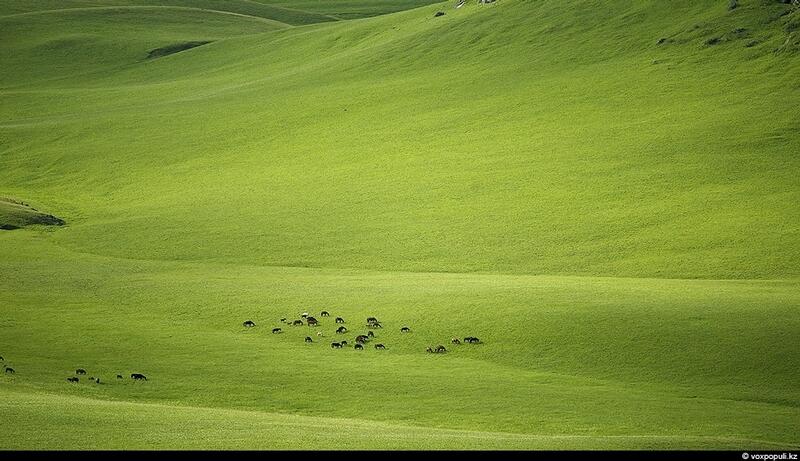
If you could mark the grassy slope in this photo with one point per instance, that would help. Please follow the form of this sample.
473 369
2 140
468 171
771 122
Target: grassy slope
527 138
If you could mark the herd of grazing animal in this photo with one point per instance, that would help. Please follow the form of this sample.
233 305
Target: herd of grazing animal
372 324
80 372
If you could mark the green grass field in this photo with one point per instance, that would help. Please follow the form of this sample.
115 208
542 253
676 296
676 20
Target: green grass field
605 193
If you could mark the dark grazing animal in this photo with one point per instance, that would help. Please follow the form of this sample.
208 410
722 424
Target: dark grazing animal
297 322
341 330
283 320
372 320
324 314
339 320
440 349
455 341
73 379
304 314
471 339
336 345
249 323
119 376
358 347
380 346
276 330
374 325
80 371
312 321
371 334
138 376
344 343
309 340
97 380
10 370
429 349
405 330
2 359
362 338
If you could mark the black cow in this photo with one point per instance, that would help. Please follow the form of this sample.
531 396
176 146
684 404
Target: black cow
362 338
344 343
312 321
309 340
339 320
2 359
372 320
10 370
73 379
276 330
429 349
358 347
405 330
370 334
374 325
119 376
283 320
97 380
455 341
380 346
324 314
80 371
341 330
336 346
249 323
297 322
440 349
138 376
471 339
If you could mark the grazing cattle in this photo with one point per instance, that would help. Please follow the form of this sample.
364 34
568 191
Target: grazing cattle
91 378
304 314
429 349
371 334
341 330
324 314
339 320
374 325
358 347
336 346
276 330
10 370
455 341
249 323
380 346
405 330
362 338
344 343
283 320
372 320
471 340
138 376
97 380
309 340
297 322
80 371
119 376
73 379
312 322
440 349
2 359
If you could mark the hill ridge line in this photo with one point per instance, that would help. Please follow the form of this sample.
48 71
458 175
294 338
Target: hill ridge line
368 271
440 431
147 7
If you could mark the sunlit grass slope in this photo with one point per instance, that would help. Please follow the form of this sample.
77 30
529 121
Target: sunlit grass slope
604 192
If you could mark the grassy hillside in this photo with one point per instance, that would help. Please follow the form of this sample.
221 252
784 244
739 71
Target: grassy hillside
604 192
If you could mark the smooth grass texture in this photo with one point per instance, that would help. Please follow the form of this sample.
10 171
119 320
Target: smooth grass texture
538 174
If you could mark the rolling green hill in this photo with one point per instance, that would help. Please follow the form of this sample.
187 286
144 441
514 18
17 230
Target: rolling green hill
604 192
